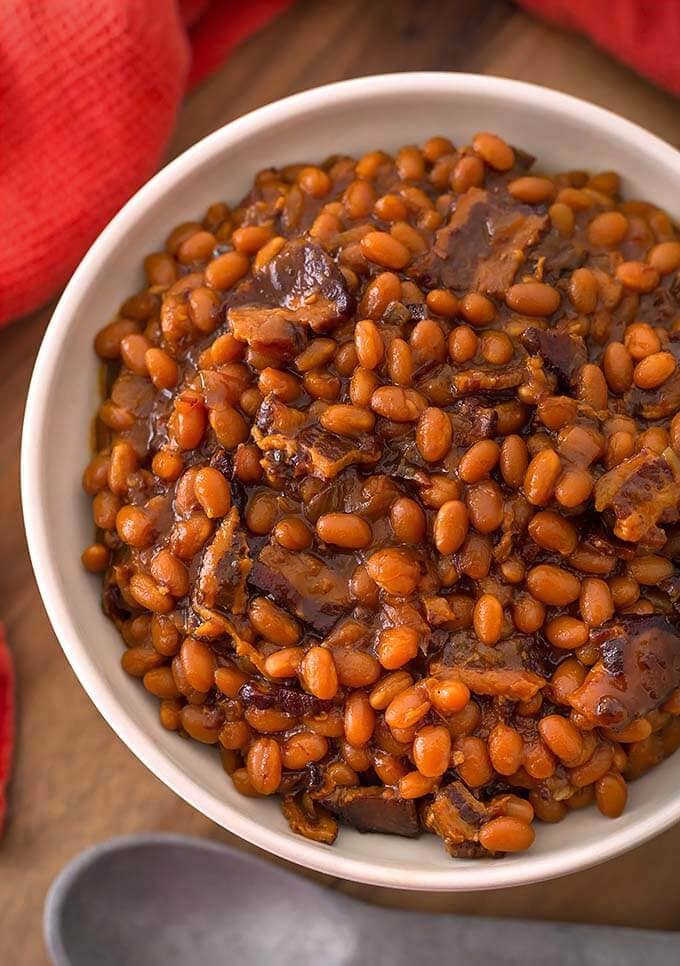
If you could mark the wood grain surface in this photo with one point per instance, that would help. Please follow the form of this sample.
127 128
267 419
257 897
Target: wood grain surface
75 783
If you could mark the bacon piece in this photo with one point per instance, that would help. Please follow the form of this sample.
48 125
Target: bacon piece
456 816
374 809
641 492
638 669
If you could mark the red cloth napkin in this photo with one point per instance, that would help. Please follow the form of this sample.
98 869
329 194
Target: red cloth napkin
645 34
89 94
6 723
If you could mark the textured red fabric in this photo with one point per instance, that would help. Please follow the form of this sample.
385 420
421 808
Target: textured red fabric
6 723
89 93
645 34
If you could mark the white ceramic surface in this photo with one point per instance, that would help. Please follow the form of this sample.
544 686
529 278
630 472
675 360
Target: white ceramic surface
350 117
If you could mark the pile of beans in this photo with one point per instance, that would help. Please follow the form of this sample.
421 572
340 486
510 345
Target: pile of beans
387 485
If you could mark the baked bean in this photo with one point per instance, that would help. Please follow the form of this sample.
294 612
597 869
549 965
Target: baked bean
223 272
388 688
400 362
230 680
261 513
567 678
199 664
448 696
532 190
450 526
562 218
541 476
485 506
346 420
551 531
397 404
637 276
273 623
359 719
212 492
505 749
407 708
397 646
293 533
618 367
442 302
513 461
415 785
431 750
594 768
382 249
281 384
553 585
494 151
583 291
532 298
608 229
318 674
462 344
595 602
96 558
395 571
506 834
641 340
566 632
470 757
665 257
162 369
649 569
284 663
561 737
347 530
264 763
169 572
475 557
477 309
434 434
573 487
488 619
302 748
654 370
611 794
135 527
356 669
478 461
496 348
369 344
407 520
149 595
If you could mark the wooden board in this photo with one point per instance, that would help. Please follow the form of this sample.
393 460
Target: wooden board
75 782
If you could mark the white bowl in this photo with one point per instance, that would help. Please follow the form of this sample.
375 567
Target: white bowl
351 117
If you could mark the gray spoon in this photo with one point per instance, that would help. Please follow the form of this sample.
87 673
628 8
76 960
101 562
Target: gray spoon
156 900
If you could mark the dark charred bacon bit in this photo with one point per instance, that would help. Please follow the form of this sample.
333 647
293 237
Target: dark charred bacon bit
487 380
562 353
456 816
264 696
305 817
660 403
508 669
452 613
303 584
447 385
301 286
304 278
223 571
374 809
275 331
324 455
641 492
483 244
671 586
638 669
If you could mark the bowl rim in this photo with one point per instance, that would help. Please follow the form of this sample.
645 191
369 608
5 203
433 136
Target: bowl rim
535 868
